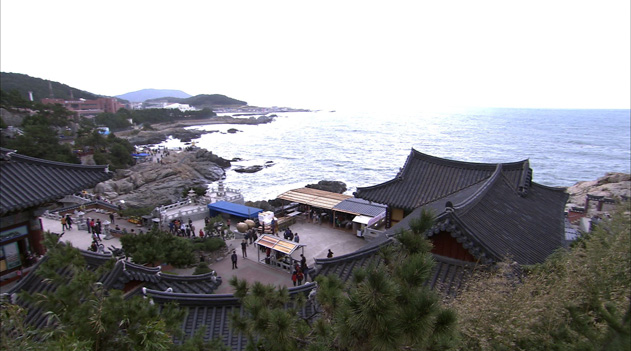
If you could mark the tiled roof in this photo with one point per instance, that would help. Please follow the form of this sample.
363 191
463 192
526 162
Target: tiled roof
447 277
30 182
116 278
426 178
212 312
493 220
360 207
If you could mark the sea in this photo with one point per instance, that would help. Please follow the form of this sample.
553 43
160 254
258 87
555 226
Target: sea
365 148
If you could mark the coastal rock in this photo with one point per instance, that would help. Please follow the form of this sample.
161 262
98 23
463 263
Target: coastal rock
329 185
615 186
151 184
249 169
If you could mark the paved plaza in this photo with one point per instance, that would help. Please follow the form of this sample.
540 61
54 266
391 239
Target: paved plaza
317 238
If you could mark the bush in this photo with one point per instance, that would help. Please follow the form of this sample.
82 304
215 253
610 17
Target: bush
157 246
208 244
202 268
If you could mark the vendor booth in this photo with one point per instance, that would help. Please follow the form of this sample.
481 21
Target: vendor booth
277 251
233 209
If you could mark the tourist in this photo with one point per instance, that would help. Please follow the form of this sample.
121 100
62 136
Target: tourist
201 233
303 263
300 277
330 254
294 277
296 238
63 224
234 259
69 221
112 217
244 245
87 225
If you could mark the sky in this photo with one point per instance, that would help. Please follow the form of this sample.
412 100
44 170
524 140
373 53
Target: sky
332 54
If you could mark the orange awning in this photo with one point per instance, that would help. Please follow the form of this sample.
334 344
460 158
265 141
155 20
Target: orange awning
275 243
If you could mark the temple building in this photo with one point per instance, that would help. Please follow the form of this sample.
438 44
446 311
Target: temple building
484 211
28 184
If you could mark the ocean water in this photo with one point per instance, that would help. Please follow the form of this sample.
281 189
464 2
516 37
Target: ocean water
368 148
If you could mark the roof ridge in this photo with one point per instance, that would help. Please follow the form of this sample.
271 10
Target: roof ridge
39 161
455 163
467 203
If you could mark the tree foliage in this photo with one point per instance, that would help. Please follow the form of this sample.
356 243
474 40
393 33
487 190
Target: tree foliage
385 307
578 299
158 246
82 314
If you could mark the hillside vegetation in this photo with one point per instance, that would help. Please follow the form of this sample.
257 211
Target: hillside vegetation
203 100
23 83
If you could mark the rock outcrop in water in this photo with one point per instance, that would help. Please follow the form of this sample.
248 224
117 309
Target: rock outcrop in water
151 184
329 185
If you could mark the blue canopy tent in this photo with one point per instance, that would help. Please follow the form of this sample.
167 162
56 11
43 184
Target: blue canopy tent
236 210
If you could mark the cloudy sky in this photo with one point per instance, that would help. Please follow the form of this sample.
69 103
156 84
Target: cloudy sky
332 54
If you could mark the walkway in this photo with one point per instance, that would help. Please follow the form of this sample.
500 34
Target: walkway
318 238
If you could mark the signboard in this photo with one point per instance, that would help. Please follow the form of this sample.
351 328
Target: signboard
10 254
9 234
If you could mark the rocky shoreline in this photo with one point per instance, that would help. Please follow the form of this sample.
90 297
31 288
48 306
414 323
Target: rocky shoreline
152 183
161 132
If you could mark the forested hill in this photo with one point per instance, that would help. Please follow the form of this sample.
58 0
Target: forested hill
203 100
40 87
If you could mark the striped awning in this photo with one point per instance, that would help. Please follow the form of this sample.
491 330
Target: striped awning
314 197
278 244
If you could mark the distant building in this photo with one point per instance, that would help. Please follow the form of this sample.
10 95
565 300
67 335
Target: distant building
87 108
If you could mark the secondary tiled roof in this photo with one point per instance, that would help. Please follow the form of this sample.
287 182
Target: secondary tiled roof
212 313
360 207
30 182
426 178
116 278
447 277
314 197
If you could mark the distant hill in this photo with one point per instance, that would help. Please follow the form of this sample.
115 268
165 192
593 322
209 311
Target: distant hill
40 87
148 94
203 100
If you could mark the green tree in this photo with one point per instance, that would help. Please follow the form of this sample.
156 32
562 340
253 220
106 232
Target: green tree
578 299
158 246
385 307
82 315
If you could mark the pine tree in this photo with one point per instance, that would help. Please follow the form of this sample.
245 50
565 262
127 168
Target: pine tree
385 307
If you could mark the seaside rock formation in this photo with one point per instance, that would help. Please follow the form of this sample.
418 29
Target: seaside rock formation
162 131
151 184
329 185
613 185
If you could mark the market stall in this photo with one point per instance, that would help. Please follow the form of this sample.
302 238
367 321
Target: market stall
277 251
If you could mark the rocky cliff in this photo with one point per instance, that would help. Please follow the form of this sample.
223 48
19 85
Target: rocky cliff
612 186
151 184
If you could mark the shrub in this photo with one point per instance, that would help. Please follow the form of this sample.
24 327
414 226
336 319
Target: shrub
202 268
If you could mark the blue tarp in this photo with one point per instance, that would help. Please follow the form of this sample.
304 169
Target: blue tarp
233 209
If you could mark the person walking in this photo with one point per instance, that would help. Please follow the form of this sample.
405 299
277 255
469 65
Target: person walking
87 225
294 277
112 217
300 276
244 245
234 259
69 221
63 224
